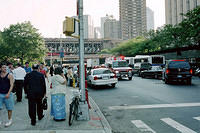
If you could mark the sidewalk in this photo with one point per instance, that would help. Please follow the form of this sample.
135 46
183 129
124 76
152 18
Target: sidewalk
22 122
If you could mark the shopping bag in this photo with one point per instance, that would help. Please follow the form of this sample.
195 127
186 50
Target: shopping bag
44 104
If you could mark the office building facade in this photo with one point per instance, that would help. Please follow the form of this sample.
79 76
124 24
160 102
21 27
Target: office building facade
103 19
111 29
174 9
150 19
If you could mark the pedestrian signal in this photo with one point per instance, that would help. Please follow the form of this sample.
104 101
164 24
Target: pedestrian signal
68 26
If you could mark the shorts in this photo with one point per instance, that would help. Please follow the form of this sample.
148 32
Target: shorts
9 103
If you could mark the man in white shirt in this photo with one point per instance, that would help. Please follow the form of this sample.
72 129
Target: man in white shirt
19 74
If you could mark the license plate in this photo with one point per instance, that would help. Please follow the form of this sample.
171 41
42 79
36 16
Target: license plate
179 76
105 77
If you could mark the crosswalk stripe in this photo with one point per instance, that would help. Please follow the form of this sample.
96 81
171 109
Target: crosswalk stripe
177 126
174 105
197 118
142 126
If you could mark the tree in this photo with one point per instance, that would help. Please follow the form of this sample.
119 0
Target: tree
3 49
130 47
191 27
22 41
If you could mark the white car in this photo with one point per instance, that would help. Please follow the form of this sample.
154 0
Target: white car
101 76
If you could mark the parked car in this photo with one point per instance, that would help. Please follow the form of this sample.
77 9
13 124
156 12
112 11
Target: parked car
139 67
154 72
177 70
101 76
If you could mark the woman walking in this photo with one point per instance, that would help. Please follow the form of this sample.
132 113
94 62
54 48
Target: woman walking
58 104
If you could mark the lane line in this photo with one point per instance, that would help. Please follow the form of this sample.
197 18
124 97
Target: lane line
177 126
175 105
197 118
142 126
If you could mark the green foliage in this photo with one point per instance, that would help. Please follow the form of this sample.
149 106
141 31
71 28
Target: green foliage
105 51
184 34
22 41
191 25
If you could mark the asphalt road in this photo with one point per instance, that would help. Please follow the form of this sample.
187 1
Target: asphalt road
150 106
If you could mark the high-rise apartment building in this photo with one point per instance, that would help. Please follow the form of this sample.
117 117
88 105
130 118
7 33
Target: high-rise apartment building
111 29
132 18
174 9
88 26
150 19
103 19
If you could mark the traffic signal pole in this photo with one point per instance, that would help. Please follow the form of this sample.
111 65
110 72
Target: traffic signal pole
81 50
83 106
68 30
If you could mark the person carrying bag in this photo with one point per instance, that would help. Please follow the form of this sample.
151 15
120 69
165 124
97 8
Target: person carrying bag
58 92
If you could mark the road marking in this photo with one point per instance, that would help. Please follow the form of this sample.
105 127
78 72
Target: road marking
175 105
142 126
177 126
197 118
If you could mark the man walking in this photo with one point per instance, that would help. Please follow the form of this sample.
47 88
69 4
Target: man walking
27 68
6 96
36 89
19 74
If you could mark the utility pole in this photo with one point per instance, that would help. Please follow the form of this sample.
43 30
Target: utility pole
83 104
81 51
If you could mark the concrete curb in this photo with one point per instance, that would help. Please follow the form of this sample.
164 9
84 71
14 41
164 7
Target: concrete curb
105 124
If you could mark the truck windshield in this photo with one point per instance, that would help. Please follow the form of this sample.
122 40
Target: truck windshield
120 64
157 60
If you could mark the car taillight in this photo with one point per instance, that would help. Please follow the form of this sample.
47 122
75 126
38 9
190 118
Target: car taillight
95 78
191 71
167 71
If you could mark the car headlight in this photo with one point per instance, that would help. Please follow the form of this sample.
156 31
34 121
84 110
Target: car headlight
116 71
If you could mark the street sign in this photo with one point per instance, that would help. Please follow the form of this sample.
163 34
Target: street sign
62 53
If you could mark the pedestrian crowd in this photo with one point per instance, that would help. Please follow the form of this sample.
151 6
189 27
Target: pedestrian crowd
31 81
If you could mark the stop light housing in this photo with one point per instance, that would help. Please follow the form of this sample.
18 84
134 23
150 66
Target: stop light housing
69 26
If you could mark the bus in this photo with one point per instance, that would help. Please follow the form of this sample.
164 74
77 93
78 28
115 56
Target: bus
154 60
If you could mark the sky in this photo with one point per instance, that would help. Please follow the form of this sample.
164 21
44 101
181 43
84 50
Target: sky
48 15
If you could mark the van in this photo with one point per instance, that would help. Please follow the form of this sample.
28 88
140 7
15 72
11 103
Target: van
177 70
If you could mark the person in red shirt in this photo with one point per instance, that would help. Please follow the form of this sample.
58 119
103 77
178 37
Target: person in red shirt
41 70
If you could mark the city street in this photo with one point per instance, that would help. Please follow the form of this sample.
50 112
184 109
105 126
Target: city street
149 105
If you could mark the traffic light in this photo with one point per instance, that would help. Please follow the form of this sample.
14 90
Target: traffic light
68 26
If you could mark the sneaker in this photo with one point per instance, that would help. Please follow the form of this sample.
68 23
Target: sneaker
8 123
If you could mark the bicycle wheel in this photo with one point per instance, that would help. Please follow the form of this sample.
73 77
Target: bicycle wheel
71 113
